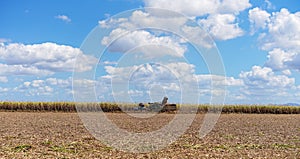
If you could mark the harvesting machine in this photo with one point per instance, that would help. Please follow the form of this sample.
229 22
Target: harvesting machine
160 107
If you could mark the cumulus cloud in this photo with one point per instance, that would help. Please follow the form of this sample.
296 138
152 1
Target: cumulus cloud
188 7
262 81
218 86
205 81
147 75
281 38
34 88
283 31
171 78
63 83
222 26
228 6
150 18
84 89
196 8
263 85
150 45
295 63
22 70
155 19
49 87
221 21
157 72
265 77
278 59
42 59
63 18
283 61
258 18
112 22
279 35
125 34
151 80
198 36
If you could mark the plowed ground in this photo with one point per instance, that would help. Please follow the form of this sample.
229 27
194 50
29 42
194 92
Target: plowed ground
62 135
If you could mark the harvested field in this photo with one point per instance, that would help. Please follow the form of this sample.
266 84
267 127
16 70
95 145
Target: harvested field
62 135
116 107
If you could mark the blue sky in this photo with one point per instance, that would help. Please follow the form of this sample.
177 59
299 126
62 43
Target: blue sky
258 42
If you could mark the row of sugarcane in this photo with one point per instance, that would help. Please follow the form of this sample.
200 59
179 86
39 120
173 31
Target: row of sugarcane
118 107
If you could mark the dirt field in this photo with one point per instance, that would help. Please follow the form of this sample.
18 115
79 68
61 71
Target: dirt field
62 135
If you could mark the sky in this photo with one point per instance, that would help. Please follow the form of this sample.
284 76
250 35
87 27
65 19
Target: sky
193 51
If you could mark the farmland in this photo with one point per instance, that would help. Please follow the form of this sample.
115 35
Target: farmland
114 107
62 135
54 130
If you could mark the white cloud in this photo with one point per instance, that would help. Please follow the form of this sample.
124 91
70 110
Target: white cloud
148 73
194 8
262 81
258 18
184 72
198 36
153 42
294 63
148 79
280 60
263 85
222 26
22 70
189 7
3 79
281 38
221 22
3 90
84 89
229 7
156 19
150 18
151 46
42 59
283 31
63 18
50 87
145 76
34 88
84 82
218 86
109 62
158 42
277 59
205 81
287 72
3 40
63 83
168 74
112 22
37 83
170 78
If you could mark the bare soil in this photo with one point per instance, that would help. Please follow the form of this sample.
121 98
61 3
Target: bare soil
62 135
